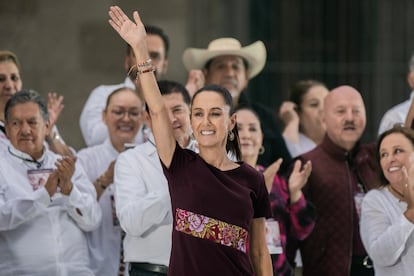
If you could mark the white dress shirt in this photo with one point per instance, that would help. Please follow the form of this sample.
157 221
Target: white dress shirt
104 242
40 235
396 114
143 204
304 145
4 141
94 130
387 235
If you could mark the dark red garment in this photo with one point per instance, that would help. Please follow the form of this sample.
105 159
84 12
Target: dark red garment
235 196
296 222
331 188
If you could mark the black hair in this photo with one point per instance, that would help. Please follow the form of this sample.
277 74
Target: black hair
234 145
300 88
168 87
154 30
27 96
397 128
245 107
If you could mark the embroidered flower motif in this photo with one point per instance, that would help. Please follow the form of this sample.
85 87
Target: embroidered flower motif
229 235
211 229
197 222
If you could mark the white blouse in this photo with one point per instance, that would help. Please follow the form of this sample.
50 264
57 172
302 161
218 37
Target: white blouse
387 234
104 242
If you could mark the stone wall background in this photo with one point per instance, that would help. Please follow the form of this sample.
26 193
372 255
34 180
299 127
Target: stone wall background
68 46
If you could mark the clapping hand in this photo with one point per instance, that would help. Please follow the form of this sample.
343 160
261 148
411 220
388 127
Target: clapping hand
65 168
270 172
298 179
52 183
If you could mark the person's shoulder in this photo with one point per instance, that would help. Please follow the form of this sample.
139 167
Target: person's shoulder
316 151
249 171
375 195
89 150
143 150
397 110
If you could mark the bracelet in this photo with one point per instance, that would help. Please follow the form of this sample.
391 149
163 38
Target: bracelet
147 63
152 69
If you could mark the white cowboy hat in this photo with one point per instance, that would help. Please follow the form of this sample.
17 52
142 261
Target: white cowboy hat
254 54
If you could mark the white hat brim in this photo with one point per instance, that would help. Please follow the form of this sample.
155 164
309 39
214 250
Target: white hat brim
254 54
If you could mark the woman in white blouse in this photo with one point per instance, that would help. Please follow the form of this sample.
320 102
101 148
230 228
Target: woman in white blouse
302 116
387 215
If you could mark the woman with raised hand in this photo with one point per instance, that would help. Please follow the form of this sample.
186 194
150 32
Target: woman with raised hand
387 213
219 206
304 129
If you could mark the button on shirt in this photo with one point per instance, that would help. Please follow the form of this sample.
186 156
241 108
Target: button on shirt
40 235
93 129
105 242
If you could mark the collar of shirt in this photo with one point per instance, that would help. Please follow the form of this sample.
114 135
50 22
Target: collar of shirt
27 159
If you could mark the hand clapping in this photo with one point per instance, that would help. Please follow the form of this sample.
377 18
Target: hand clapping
298 179
65 168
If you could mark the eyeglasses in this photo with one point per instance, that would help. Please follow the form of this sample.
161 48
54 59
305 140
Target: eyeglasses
133 114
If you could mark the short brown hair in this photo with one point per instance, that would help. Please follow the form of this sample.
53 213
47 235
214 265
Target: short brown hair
9 56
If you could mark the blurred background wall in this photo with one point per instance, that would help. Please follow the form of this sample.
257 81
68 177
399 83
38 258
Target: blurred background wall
68 46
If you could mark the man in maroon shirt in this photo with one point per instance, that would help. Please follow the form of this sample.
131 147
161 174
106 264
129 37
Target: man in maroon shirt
343 171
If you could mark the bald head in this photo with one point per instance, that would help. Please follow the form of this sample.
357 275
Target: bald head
344 116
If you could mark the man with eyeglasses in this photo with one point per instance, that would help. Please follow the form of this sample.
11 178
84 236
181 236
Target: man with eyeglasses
93 128
123 117
46 201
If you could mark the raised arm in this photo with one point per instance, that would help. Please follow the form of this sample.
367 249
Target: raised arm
409 120
134 34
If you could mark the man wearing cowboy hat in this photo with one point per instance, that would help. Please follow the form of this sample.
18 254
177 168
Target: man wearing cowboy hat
225 62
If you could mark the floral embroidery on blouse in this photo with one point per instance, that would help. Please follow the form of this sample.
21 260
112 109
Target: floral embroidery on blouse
204 227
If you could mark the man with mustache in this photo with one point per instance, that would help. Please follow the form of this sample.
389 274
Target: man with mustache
343 171
226 63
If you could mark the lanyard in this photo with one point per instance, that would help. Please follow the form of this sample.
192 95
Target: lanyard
38 164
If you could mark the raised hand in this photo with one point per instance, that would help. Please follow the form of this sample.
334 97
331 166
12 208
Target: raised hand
287 112
54 107
270 172
195 81
298 179
408 183
132 32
